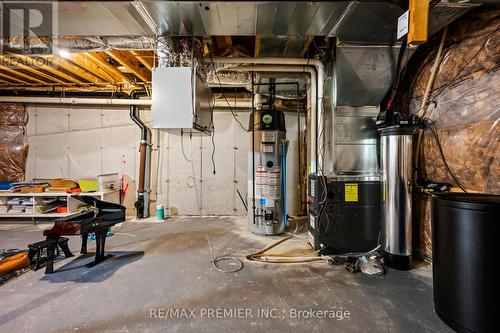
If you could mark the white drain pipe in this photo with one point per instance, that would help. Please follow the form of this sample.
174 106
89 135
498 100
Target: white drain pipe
315 68
315 102
75 100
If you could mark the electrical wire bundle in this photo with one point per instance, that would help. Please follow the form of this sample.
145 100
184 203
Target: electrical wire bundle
224 96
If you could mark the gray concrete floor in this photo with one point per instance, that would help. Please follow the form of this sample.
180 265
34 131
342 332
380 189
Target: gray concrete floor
162 266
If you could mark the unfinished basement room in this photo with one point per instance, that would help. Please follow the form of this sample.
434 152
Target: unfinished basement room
249 166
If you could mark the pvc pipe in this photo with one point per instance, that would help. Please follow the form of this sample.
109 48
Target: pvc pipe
75 100
223 104
270 61
421 112
315 100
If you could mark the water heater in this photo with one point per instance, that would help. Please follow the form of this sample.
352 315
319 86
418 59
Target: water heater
267 172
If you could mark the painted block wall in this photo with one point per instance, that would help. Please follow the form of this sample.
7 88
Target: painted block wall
83 142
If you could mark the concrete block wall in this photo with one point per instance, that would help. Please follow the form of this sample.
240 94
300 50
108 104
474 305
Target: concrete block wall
83 142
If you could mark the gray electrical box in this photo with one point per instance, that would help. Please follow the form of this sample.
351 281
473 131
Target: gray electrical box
181 100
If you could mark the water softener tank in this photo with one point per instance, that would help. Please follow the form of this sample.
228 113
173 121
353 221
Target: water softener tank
396 166
465 230
266 172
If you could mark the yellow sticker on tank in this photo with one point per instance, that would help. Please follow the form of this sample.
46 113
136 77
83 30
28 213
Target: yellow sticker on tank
351 192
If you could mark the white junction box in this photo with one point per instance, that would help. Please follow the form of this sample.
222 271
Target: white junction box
181 100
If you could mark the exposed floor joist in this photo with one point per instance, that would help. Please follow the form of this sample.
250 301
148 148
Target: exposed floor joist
11 78
44 65
101 60
82 61
36 72
145 57
76 71
306 46
287 43
112 69
25 77
131 63
256 47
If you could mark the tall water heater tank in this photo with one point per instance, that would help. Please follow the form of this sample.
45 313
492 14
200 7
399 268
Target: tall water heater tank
266 172
396 166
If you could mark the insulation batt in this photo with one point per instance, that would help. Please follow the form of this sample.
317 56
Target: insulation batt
13 142
464 108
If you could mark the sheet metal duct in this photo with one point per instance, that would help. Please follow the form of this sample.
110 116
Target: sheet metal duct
364 73
355 136
127 25
190 18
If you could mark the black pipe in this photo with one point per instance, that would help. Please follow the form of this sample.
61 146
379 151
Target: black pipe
141 202
242 201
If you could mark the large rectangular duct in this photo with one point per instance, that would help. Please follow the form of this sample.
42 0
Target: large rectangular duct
364 73
355 140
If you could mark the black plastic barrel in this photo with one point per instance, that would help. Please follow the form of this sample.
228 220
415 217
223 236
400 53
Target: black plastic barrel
465 244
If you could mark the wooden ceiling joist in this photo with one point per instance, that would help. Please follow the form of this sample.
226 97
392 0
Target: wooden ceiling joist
76 71
101 60
86 71
90 68
45 65
256 47
145 57
25 77
285 48
306 45
11 78
38 72
131 63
